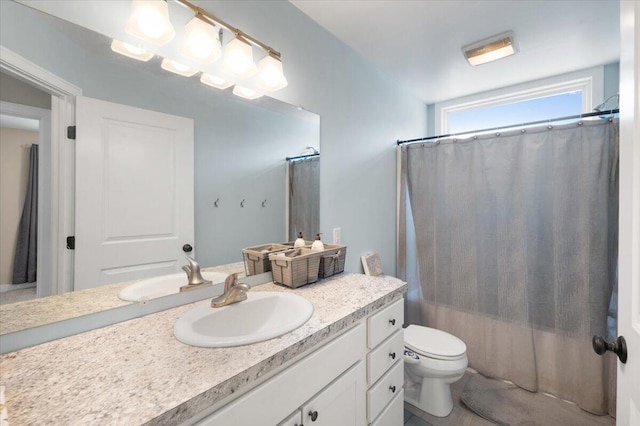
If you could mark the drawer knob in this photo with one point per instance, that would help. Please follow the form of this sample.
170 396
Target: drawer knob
313 415
392 321
392 389
392 355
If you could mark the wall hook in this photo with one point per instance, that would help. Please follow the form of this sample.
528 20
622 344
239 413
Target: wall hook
242 203
264 203
216 203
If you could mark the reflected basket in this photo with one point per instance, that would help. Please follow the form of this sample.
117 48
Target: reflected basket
295 268
256 258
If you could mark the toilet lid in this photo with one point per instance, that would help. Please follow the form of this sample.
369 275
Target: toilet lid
433 343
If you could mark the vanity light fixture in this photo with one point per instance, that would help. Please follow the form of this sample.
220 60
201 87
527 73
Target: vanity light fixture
215 81
178 68
238 58
150 22
201 41
490 49
245 92
131 51
270 74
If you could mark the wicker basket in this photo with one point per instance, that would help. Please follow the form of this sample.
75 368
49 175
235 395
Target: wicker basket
332 260
256 260
296 267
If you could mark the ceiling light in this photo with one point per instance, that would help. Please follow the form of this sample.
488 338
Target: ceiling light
149 21
490 49
201 42
178 68
270 74
238 59
214 81
131 51
246 93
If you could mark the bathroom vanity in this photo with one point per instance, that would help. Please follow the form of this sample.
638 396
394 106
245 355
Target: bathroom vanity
342 367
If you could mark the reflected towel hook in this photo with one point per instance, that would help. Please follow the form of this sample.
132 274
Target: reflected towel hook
264 203
242 203
216 203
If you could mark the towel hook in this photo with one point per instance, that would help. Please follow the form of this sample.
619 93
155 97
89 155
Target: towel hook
242 203
264 203
216 203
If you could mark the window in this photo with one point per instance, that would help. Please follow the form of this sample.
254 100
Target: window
560 96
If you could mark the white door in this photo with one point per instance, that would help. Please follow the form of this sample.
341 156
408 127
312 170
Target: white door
628 404
134 193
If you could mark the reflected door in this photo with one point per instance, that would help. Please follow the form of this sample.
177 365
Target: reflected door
134 193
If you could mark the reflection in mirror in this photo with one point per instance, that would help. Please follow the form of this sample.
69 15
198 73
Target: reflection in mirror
239 146
304 195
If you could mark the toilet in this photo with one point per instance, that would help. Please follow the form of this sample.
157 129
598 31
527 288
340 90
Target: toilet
433 359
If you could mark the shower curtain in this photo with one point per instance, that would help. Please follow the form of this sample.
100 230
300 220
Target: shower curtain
509 241
304 197
25 262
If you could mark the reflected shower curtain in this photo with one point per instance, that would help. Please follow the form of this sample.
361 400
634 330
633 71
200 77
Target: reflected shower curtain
510 243
304 197
25 262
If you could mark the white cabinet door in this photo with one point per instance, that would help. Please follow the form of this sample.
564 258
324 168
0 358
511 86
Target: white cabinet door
293 420
134 193
342 403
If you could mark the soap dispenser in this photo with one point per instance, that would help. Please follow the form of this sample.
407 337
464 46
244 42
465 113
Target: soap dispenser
300 241
317 244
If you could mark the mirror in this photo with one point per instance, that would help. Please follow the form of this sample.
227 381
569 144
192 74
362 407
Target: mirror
240 146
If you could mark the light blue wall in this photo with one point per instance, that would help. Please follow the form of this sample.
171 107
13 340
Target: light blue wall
363 112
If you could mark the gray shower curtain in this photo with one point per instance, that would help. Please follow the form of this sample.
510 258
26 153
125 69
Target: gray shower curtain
25 262
304 197
510 243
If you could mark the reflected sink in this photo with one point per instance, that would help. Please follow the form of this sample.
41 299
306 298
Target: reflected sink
263 316
165 285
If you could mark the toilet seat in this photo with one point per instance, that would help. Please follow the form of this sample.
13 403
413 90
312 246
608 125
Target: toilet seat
433 343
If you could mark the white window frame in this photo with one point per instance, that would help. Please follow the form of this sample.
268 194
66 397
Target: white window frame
589 81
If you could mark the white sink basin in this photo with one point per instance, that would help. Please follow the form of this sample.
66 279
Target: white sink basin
263 316
165 285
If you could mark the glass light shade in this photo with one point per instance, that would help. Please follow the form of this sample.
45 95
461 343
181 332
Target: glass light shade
238 59
245 92
149 21
491 49
131 51
270 75
214 81
177 67
201 42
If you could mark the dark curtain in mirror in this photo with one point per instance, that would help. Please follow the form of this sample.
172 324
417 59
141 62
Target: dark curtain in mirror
304 197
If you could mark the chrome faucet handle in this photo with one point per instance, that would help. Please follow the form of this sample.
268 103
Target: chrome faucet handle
230 281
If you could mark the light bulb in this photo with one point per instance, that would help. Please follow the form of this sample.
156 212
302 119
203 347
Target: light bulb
177 67
238 59
215 81
270 75
245 92
131 51
201 42
149 21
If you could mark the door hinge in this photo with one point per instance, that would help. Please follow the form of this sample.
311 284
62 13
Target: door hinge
71 132
71 243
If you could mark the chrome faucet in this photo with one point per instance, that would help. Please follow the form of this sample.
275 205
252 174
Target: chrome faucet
193 275
234 292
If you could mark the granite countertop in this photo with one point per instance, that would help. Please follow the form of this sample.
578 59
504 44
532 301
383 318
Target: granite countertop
33 313
136 372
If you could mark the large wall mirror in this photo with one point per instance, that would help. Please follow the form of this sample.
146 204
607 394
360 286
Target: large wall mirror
240 146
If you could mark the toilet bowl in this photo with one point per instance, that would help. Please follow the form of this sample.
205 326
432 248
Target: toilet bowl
433 359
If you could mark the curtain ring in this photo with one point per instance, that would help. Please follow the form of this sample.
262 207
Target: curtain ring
475 137
580 123
523 131
549 127
455 140
497 133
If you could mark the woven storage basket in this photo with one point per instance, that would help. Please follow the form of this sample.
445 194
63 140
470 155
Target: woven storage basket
257 262
296 268
332 260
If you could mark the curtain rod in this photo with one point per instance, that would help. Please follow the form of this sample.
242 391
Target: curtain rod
300 157
588 114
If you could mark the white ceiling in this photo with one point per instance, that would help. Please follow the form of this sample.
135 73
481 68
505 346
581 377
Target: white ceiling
418 43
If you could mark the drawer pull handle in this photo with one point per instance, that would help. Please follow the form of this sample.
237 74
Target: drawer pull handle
392 389
392 355
392 321
313 415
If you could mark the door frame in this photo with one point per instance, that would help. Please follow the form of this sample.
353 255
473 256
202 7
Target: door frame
62 154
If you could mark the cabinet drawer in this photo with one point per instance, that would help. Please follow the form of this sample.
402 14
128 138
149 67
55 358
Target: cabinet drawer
393 415
384 323
384 356
379 395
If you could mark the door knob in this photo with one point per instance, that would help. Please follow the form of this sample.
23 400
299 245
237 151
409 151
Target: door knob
187 248
619 347
313 415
